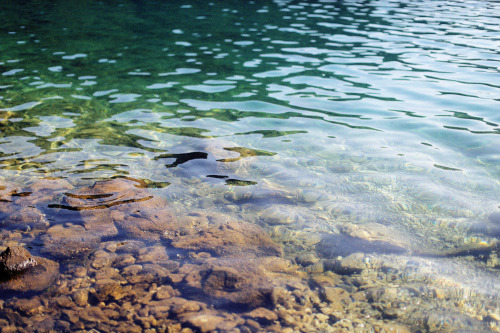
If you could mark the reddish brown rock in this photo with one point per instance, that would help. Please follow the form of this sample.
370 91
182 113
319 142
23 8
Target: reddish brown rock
338 298
72 242
108 290
37 278
231 238
92 314
50 185
25 217
7 192
43 191
262 315
233 281
206 321
122 205
15 261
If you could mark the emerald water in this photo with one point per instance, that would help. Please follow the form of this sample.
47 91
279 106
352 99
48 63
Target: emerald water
295 116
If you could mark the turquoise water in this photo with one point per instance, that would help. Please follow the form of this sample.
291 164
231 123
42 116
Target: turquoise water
339 111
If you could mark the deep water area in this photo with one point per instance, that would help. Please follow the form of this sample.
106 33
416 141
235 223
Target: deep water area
249 166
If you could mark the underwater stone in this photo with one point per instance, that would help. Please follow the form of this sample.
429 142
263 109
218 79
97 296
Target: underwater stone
369 238
284 214
231 238
125 205
306 259
26 218
238 282
43 191
205 321
80 297
73 242
262 315
337 298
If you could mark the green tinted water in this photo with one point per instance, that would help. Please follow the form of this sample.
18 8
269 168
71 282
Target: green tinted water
343 111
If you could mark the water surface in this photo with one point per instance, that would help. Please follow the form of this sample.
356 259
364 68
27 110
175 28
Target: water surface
326 112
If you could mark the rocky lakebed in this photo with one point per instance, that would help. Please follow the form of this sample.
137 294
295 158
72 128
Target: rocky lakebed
114 257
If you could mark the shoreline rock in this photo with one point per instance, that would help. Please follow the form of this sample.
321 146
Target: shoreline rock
15 261
20 272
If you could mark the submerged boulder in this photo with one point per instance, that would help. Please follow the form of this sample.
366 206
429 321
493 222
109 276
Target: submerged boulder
43 191
25 218
235 281
230 238
369 238
69 242
122 205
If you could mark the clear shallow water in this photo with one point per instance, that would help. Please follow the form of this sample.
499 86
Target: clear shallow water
352 111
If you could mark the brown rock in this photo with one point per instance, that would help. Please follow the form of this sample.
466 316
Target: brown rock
122 204
7 190
108 273
26 217
37 278
147 273
262 315
15 261
64 301
29 307
337 297
81 297
108 289
92 314
369 238
235 281
206 321
153 254
69 242
43 191
181 306
102 259
124 260
352 264
164 292
231 238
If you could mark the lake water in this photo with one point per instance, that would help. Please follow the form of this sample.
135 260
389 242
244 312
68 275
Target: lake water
305 119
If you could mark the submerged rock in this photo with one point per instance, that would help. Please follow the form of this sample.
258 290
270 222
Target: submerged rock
234 281
370 238
284 214
122 205
26 218
231 238
43 191
69 242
